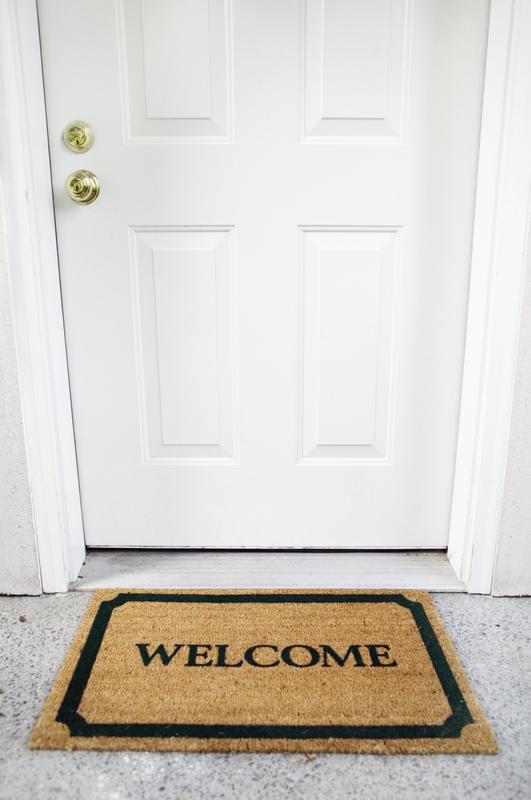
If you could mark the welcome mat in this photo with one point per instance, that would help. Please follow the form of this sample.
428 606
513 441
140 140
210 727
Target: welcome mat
308 671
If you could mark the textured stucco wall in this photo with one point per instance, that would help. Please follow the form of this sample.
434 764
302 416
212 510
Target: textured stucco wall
19 573
513 563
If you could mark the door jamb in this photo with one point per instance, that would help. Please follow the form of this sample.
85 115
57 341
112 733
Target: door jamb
28 216
498 263
497 272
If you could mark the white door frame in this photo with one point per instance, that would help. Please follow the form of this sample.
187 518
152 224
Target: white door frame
497 272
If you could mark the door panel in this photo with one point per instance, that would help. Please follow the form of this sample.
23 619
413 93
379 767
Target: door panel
184 324
176 69
355 67
265 307
347 315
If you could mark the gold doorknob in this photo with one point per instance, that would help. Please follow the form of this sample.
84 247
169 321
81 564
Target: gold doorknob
82 186
78 136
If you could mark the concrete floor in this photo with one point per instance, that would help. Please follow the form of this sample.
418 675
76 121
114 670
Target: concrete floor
492 636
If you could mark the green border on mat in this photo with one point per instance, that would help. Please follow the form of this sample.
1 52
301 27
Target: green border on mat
68 712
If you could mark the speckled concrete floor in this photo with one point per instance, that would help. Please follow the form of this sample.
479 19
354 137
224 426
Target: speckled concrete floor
492 636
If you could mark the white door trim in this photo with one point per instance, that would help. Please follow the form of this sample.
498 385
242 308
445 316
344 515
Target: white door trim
498 261
496 287
36 299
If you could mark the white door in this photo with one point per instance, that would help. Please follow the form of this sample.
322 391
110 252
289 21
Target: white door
265 306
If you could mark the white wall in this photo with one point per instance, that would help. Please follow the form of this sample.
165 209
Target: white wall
513 563
19 571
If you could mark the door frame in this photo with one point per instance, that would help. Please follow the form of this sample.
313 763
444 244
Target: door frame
498 261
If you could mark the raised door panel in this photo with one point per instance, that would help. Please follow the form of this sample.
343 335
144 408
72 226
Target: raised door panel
355 66
346 370
176 69
185 336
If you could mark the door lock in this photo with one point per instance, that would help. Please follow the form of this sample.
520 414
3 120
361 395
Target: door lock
78 136
82 187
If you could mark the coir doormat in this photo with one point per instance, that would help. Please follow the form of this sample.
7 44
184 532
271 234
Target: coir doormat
308 671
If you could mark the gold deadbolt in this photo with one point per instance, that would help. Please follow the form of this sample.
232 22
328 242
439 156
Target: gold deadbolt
82 187
78 136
